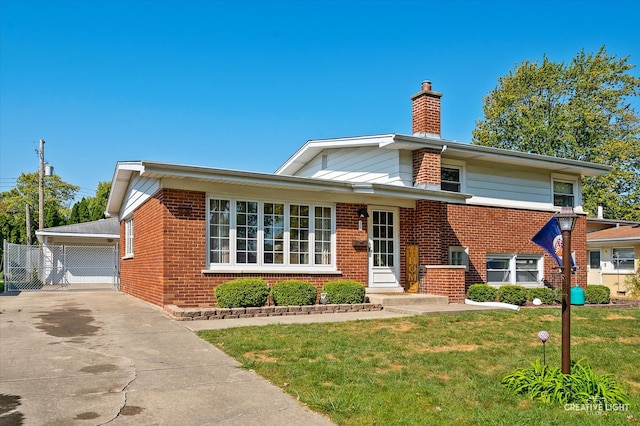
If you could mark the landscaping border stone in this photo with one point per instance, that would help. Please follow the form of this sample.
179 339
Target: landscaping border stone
212 313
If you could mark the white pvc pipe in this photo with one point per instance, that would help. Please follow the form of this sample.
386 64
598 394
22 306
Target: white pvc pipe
493 304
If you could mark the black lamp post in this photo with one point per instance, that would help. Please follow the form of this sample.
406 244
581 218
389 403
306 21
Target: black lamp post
566 220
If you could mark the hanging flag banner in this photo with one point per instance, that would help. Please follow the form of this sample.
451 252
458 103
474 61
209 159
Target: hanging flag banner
549 237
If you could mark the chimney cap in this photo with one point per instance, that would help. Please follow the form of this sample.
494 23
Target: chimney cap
426 85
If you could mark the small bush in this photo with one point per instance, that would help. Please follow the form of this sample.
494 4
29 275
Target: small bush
513 294
242 293
545 294
597 294
293 293
482 293
632 283
548 384
344 291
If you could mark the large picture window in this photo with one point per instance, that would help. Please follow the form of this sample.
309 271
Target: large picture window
263 234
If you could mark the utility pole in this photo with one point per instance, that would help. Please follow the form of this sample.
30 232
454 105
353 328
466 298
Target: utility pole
28 224
41 188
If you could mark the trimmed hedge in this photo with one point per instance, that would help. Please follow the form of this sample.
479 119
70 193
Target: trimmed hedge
597 294
242 293
344 291
293 293
482 293
514 294
546 295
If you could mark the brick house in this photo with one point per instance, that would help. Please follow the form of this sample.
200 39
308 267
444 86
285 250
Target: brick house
413 213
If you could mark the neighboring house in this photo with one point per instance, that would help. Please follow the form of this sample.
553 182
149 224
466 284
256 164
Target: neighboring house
613 252
414 213
81 253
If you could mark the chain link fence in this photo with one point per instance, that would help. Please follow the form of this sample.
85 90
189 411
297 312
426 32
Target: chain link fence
56 267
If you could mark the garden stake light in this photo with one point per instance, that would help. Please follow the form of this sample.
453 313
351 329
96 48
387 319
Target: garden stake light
544 336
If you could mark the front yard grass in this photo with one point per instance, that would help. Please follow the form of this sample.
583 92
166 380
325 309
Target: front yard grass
438 369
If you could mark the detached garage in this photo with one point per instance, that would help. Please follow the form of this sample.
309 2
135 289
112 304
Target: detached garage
82 253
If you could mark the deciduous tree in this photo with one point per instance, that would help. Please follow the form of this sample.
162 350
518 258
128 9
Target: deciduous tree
579 111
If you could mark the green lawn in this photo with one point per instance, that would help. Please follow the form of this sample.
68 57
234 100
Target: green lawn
438 369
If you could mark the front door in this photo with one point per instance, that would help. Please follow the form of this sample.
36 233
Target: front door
384 261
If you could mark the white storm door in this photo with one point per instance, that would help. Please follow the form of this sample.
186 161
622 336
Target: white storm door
384 259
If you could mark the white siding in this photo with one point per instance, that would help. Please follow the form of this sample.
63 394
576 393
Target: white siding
508 183
139 191
370 165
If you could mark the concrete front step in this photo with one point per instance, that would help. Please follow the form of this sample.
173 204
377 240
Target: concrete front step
387 300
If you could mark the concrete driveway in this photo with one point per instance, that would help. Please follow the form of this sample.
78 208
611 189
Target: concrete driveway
101 357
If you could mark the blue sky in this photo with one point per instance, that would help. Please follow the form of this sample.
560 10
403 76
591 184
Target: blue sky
244 84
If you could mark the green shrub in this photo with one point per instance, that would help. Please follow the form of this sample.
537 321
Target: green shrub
597 294
344 291
482 293
548 384
242 293
293 293
545 294
632 283
514 294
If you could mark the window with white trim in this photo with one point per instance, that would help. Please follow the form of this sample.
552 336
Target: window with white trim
563 193
450 179
128 237
519 269
622 258
459 256
266 234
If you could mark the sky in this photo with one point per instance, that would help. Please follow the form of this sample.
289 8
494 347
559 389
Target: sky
244 84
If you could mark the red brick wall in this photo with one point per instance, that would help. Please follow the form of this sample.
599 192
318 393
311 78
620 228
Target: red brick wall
426 166
501 230
170 247
142 275
435 226
444 281
170 252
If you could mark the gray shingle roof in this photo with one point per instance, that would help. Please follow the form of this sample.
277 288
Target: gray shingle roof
107 227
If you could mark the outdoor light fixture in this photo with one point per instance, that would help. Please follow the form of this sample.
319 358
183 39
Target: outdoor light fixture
362 214
566 221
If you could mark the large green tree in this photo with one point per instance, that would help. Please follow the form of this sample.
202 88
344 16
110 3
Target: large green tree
91 208
58 195
581 111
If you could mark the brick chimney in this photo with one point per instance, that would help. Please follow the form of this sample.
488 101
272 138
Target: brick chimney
426 112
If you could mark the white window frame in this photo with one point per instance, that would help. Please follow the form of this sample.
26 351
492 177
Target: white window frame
286 266
128 237
577 201
512 269
462 169
615 264
463 253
